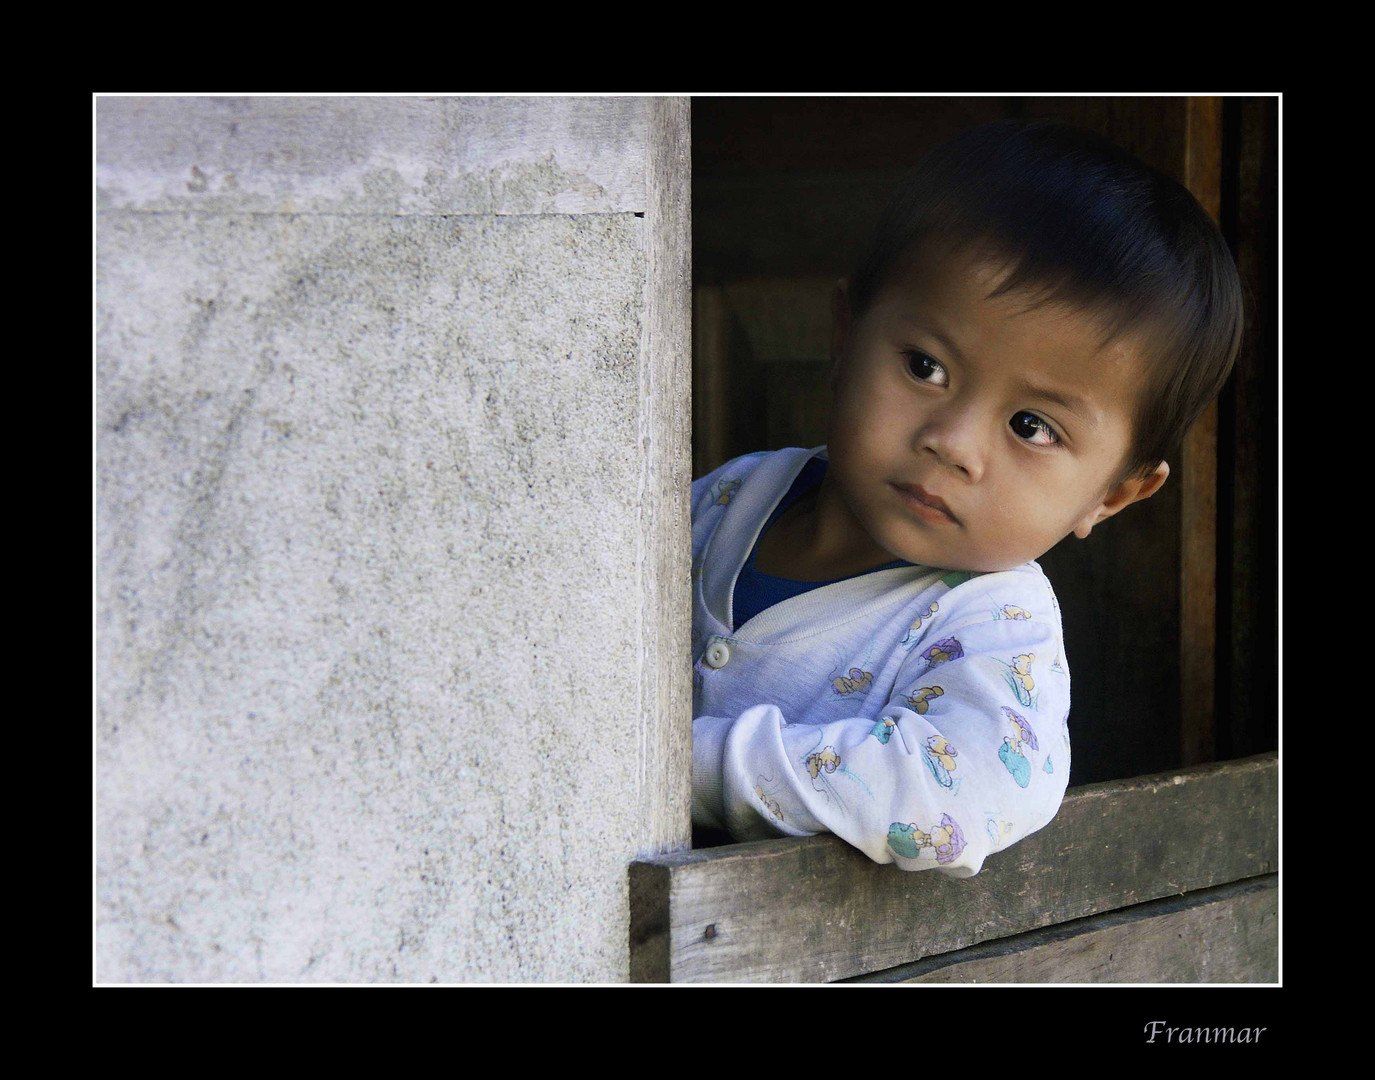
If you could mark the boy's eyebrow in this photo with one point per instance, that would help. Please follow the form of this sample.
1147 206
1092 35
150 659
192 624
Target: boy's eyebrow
946 340
1070 402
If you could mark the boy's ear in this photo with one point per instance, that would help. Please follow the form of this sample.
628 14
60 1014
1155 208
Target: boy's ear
840 322
1132 489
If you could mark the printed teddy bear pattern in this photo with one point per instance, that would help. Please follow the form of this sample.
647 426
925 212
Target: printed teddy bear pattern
945 839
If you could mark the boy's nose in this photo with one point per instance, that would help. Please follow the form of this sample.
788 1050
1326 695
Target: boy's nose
956 442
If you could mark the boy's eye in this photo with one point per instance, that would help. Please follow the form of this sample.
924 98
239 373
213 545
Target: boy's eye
1033 429
925 368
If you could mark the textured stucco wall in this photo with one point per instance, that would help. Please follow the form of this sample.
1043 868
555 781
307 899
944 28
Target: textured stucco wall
392 469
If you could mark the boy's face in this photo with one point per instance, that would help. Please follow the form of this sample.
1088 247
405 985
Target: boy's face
973 434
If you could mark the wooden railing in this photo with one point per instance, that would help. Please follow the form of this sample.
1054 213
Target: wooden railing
1164 878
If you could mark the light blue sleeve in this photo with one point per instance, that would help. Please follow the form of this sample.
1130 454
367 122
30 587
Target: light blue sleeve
969 754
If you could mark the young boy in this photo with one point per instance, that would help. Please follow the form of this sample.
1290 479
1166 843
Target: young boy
1036 322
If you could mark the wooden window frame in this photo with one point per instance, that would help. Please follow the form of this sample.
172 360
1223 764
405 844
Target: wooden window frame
1168 877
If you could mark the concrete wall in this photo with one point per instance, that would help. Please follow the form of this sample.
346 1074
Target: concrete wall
392 478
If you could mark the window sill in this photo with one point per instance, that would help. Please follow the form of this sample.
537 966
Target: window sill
817 910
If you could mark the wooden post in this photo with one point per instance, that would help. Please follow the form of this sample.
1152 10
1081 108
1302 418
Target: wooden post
711 411
1198 476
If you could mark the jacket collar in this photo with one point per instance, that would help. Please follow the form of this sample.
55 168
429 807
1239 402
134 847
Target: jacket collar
812 612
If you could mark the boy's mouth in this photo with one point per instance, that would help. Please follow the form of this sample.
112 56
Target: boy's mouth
927 506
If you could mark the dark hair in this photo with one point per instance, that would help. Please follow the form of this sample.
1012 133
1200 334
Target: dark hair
1078 220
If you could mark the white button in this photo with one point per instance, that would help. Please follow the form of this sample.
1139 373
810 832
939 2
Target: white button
718 655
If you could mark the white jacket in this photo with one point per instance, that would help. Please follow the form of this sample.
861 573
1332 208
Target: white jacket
918 714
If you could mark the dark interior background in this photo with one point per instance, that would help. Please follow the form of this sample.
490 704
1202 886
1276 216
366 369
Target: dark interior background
785 191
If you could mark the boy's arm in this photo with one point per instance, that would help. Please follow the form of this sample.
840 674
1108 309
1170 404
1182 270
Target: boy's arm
969 754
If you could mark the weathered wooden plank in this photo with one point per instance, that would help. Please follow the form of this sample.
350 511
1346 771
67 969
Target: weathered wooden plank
665 792
1198 588
1203 152
710 359
1248 497
1228 934
816 909
785 319
1198 477
649 923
